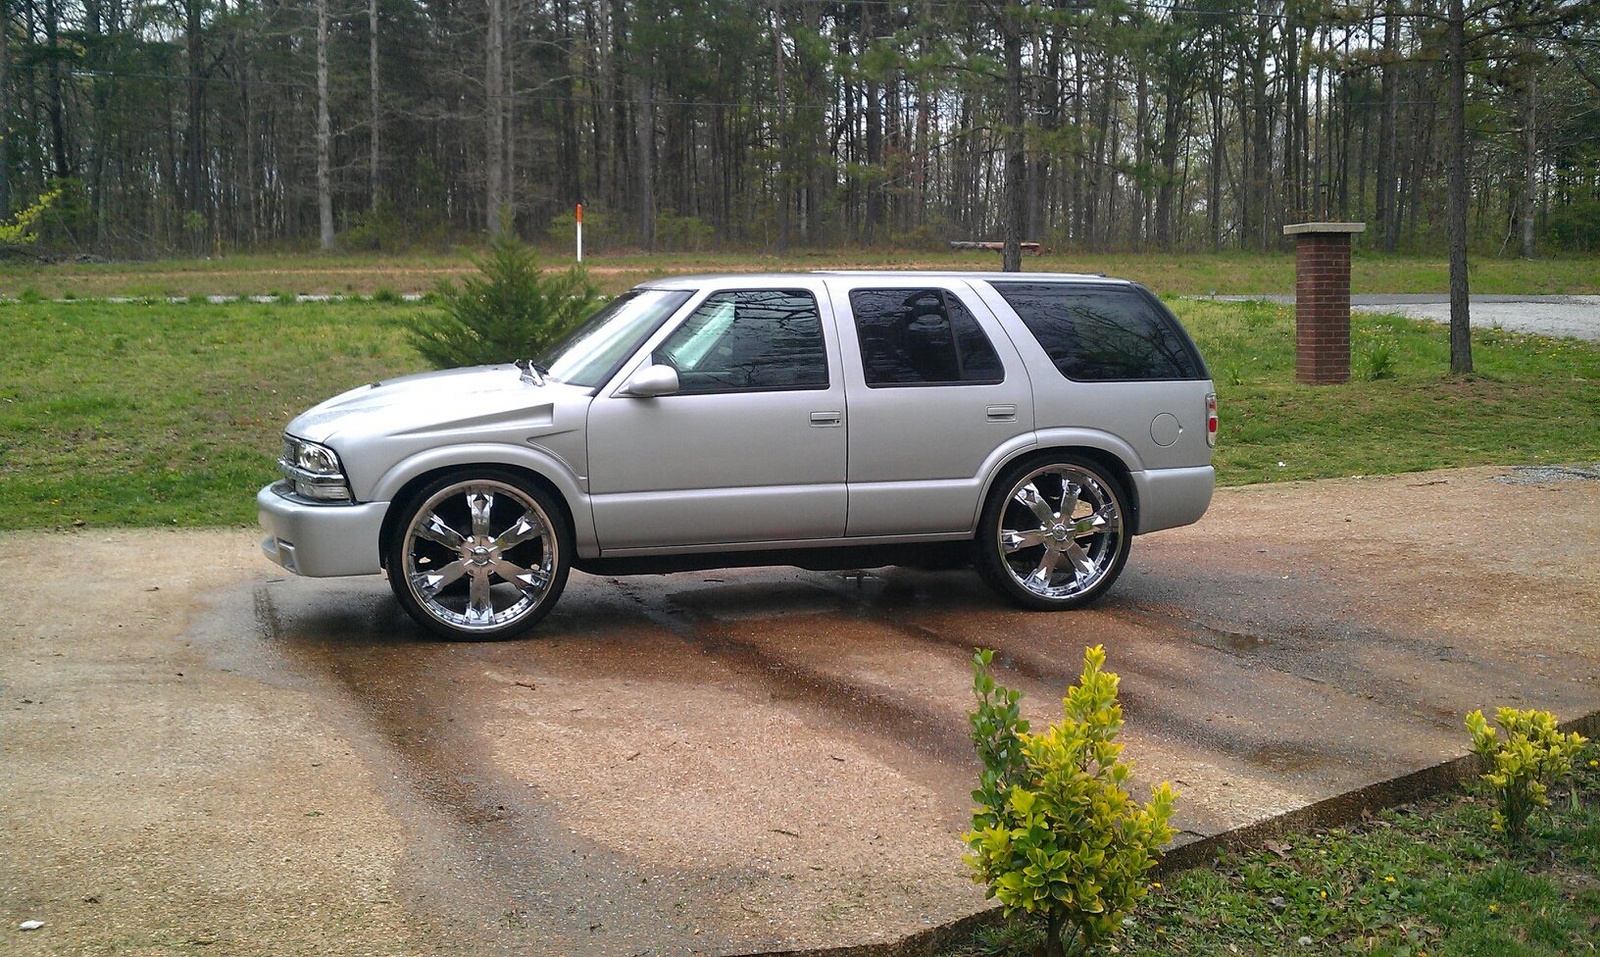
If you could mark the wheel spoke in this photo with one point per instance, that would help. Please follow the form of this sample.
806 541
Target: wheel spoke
429 583
1013 540
1071 495
1104 520
1039 579
526 528
480 603
481 503
1028 497
532 581
1081 561
436 529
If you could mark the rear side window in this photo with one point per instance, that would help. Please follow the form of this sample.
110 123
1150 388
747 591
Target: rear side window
1101 334
921 337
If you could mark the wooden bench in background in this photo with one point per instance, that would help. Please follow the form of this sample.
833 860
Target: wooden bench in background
1034 249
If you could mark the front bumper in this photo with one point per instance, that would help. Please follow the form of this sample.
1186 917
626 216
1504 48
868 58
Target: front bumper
319 540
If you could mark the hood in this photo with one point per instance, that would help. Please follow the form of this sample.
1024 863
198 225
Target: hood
454 400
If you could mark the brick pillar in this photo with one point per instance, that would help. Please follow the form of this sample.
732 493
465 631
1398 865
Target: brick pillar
1322 301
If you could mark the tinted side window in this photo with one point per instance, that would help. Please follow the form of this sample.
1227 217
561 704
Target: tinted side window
1103 334
921 337
749 340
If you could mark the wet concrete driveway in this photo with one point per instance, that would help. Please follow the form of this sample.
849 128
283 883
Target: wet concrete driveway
773 759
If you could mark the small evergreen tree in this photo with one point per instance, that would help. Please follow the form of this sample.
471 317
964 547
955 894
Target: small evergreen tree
1055 833
511 310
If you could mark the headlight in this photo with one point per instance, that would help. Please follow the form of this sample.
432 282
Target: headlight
316 459
313 470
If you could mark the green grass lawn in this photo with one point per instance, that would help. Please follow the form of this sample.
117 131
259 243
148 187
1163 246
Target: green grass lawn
155 413
163 414
1531 400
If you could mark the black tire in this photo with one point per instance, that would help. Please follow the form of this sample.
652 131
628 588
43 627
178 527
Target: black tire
479 555
1054 533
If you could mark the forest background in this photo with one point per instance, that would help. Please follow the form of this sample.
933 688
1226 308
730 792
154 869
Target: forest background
207 127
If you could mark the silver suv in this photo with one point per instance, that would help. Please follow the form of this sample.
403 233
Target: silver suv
1030 424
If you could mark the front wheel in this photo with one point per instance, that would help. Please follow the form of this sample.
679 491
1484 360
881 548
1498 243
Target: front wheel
1054 533
479 556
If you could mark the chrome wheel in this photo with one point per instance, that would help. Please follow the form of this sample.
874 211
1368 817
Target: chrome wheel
481 556
1054 533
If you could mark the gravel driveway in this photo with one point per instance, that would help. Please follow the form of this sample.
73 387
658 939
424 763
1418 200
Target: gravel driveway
202 756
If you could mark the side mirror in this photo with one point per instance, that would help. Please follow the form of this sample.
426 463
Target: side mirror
652 381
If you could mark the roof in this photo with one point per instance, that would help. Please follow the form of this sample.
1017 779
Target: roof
678 282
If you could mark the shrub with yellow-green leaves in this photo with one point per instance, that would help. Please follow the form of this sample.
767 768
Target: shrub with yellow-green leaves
1521 767
1055 833
20 231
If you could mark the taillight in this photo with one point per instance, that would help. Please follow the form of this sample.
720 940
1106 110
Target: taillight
1211 420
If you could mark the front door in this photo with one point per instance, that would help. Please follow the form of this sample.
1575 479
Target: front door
751 448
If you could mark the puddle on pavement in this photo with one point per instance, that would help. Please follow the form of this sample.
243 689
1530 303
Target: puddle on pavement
1284 756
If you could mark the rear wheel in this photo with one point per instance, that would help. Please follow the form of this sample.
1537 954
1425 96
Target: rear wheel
1053 533
479 556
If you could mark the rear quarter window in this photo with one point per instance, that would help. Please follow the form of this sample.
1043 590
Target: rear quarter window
1104 334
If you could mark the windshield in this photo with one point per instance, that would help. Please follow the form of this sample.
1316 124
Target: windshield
591 353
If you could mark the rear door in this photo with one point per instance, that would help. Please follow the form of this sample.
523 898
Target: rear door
937 396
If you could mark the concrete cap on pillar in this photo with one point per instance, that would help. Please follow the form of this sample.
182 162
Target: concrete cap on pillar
1298 229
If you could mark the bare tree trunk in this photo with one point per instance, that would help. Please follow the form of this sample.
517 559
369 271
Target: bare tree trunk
1139 226
1260 188
495 132
1456 213
645 161
875 206
58 130
1214 181
1530 154
784 177
194 145
251 180
1016 152
1388 195
5 109
373 167
508 116
324 134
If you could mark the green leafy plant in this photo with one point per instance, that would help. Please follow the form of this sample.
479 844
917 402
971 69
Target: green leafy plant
511 310
1533 755
20 231
1055 834
1375 361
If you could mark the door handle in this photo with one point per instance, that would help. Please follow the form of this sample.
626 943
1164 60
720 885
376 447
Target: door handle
1002 413
826 419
